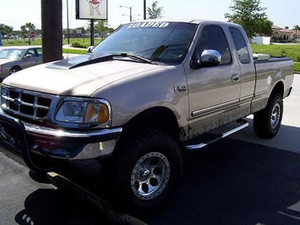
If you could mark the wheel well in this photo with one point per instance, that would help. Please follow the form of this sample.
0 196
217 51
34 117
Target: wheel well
158 118
16 67
278 88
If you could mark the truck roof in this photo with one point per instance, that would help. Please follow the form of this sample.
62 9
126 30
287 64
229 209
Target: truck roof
194 21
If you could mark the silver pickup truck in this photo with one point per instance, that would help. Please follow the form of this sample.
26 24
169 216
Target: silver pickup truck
146 93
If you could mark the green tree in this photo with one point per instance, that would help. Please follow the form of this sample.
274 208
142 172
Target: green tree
251 16
26 29
155 12
101 27
5 30
265 27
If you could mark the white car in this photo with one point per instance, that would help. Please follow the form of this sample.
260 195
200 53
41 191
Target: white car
13 59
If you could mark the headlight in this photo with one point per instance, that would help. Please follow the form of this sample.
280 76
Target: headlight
84 111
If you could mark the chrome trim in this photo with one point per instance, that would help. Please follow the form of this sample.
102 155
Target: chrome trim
243 125
217 108
230 132
45 131
246 98
54 106
20 97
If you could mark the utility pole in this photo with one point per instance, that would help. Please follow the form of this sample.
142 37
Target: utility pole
145 9
130 11
51 30
92 33
68 24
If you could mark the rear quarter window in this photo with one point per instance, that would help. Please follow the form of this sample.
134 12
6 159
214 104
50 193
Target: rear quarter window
240 44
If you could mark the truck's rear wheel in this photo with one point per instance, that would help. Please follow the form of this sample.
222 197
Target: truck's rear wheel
267 122
145 171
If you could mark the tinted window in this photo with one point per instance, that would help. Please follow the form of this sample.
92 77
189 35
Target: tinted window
39 51
213 37
240 44
165 42
31 52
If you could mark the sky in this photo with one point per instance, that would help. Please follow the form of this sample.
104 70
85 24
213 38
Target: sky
18 12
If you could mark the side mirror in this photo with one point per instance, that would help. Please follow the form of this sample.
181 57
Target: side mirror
28 56
208 58
89 49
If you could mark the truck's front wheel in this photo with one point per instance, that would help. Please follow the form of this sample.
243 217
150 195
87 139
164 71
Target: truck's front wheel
145 171
267 122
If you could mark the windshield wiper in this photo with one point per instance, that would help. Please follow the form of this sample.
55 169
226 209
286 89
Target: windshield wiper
137 57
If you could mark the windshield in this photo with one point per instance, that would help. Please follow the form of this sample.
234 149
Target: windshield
11 53
165 42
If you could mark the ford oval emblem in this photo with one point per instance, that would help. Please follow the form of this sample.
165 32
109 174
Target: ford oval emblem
17 101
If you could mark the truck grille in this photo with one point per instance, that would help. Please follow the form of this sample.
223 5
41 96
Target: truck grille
29 104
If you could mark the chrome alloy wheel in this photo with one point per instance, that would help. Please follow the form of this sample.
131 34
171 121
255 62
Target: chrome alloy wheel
150 175
275 116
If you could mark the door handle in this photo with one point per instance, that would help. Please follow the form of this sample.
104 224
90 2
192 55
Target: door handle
235 78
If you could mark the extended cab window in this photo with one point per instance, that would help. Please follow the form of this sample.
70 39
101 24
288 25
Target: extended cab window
240 44
213 37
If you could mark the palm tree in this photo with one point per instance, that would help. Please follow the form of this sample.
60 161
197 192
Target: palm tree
296 28
155 12
30 26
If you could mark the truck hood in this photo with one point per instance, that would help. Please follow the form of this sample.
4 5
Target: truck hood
77 76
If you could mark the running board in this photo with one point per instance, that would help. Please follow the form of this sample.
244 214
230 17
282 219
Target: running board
241 124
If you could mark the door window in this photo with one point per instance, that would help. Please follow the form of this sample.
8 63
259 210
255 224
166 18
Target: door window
213 37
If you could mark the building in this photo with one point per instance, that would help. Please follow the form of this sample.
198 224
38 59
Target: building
284 35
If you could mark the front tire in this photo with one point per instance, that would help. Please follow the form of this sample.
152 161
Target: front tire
14 70
267 122
145 171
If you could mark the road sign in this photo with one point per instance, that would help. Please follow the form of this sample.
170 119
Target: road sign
91 9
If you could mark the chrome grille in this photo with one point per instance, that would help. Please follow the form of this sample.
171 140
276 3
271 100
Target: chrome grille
29 104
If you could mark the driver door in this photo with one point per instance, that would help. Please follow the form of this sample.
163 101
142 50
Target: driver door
214 91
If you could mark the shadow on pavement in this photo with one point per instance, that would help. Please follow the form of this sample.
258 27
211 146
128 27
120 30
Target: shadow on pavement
234 182
230 182
49 207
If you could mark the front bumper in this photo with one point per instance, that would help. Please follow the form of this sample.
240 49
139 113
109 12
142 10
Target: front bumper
26 140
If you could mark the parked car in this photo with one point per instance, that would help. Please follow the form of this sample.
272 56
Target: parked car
13 59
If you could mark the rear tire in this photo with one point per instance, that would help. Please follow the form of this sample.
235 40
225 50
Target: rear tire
267 122
145 171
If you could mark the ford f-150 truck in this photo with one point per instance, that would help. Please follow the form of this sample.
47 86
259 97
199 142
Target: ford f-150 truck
149 91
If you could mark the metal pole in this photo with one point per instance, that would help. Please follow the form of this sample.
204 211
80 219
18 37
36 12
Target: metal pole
130 13
92 32
68 27
145 9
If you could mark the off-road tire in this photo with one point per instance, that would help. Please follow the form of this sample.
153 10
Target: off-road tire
267 122
144 172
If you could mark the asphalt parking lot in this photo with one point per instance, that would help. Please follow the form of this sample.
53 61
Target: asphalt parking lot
239 180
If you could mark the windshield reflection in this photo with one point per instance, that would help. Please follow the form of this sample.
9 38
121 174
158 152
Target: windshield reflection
165 42
11 53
